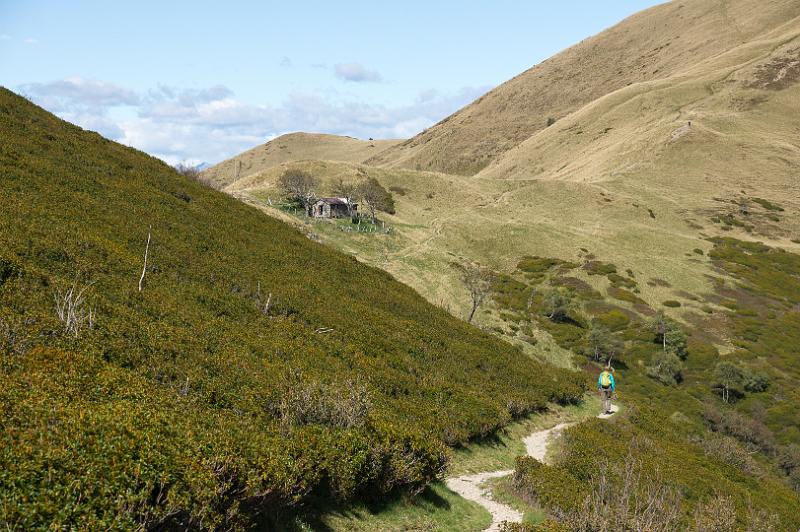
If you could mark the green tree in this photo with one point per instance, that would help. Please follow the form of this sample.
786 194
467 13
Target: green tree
670 335
558 303
602 342
375 197
728 378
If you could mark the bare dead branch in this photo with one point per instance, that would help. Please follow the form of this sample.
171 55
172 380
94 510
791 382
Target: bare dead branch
146 250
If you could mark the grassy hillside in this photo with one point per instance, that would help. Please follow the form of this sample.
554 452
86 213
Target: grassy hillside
651 45
253 371
625 178
293 147
702 458
667 185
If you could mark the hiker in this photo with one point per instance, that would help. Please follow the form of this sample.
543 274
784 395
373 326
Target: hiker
606 386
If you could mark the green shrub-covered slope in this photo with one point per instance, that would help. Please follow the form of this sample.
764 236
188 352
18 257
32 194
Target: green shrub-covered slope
254 370
706 440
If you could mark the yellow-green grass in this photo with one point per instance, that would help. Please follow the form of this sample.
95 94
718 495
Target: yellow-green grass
498 453
622 175
293 147
437 508
502 490
657 43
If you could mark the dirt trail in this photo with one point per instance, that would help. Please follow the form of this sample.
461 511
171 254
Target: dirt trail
471 486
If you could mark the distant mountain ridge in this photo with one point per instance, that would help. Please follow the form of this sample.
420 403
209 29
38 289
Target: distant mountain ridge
650 45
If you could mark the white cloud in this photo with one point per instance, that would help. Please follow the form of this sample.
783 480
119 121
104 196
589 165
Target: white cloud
355 72
31 40
77 93
211 124
5 37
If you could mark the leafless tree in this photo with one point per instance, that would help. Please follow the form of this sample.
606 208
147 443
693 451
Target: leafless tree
299 185
477 281
187 170
264 304
72 308
146 251
347 191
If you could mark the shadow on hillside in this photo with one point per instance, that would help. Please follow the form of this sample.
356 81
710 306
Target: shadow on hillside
314 515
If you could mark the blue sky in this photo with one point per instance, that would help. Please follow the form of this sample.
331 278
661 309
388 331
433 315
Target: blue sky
202 81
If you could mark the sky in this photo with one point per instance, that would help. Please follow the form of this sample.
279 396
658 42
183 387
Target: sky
201 81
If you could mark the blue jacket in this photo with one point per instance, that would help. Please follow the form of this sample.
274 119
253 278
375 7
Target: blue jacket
600 379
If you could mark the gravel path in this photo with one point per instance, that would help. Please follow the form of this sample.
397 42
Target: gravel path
470 486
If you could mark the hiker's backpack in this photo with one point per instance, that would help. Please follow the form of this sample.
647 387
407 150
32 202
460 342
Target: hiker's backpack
605 379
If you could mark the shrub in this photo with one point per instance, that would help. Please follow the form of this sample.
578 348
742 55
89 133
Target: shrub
596 267
756 382
618 280
581 288
666 368
768 205
174 411
625 295
550 487
671 303
614 496
614 319
729 451
789 458
306 402
715 515
752 433
537 266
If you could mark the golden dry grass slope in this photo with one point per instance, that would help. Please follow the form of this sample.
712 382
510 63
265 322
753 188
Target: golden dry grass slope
293 147
651 45
674 126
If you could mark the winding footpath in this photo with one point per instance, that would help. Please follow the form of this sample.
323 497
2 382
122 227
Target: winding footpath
471 486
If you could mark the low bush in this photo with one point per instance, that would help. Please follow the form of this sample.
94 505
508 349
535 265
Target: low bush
748 431
768 205
596 267
731 452
614 319
618 280
625 295
756 382
537 266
